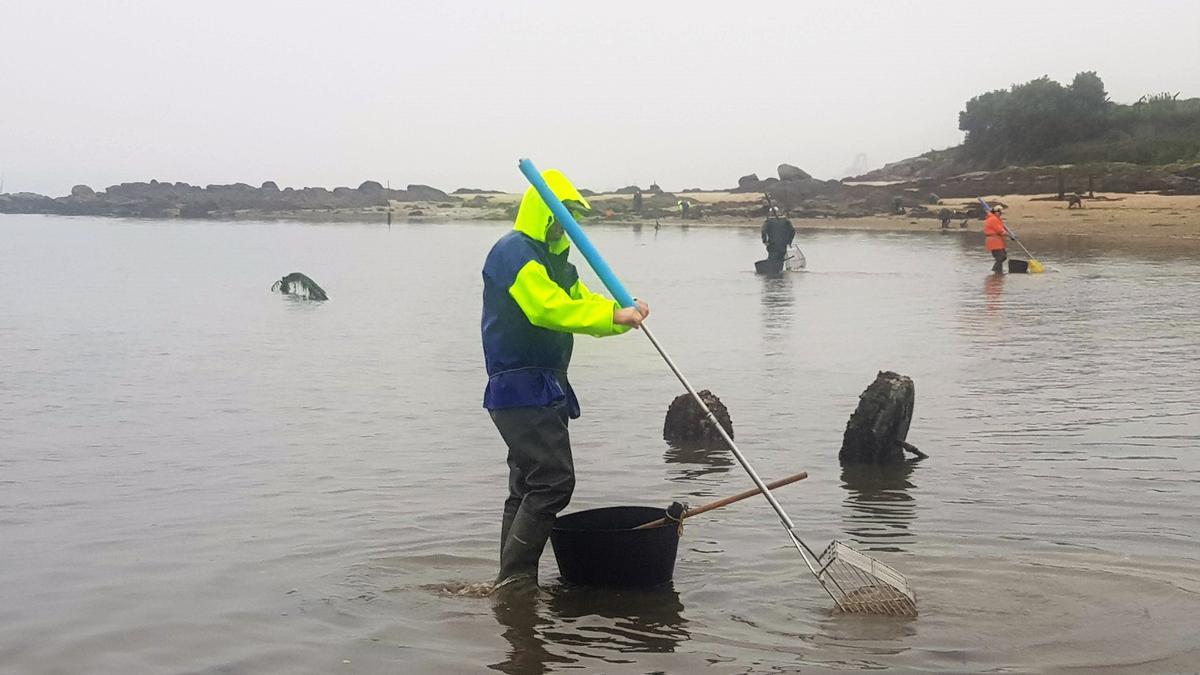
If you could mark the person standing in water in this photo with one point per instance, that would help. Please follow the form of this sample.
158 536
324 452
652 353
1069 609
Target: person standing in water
777 233
994 232
533 303
944 215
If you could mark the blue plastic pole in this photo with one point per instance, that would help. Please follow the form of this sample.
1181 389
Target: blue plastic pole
573 230
986 209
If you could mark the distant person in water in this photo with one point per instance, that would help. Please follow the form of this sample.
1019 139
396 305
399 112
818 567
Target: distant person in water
994 232
777 234
533 301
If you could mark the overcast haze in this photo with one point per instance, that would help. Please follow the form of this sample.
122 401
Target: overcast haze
451 94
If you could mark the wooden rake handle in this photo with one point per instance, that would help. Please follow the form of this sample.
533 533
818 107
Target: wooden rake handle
727 501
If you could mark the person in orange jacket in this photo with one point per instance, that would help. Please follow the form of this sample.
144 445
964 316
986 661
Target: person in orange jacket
994 232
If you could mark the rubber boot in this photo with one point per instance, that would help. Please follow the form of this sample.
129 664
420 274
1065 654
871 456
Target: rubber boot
510 513
521 551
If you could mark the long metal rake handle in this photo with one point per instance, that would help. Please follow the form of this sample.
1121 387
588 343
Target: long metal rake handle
805 551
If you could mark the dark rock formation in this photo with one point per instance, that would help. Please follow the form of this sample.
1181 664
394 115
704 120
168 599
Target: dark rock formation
299 285
422 193
157 199
26 202
688 424
952 177
749 183
878 428
476 191
788 172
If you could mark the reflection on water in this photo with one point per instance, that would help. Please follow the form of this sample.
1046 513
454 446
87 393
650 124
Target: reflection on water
523 624
879 508
568 623
705 460
874 635
993 292
778 296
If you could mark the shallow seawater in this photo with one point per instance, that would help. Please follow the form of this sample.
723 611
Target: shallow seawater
198 475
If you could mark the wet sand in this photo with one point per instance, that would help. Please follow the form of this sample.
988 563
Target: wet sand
1137 220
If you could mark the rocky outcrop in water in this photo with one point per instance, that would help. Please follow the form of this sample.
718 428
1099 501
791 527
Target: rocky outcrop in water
157 199
688 424
876 432
299 285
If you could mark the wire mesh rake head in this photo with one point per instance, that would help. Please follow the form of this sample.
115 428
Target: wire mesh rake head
860 584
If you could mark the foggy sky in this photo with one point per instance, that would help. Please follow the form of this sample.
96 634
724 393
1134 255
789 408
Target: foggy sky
614 93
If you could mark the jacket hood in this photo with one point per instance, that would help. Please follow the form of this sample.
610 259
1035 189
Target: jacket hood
534 217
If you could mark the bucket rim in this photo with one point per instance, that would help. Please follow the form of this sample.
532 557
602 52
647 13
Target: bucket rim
657 509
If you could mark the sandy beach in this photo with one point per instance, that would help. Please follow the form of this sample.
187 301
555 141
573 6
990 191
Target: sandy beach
1140 221
1145 222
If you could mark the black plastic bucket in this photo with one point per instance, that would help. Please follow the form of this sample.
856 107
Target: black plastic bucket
768 266
1018 266
599 547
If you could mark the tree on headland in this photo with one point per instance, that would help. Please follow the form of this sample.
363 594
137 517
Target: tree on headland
1041 121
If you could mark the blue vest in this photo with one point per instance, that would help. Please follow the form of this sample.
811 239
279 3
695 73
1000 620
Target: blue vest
526 364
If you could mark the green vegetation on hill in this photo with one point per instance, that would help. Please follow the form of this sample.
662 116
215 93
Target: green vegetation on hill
1043 122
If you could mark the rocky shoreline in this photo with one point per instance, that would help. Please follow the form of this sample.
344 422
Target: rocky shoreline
945 178
180 200
918 189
